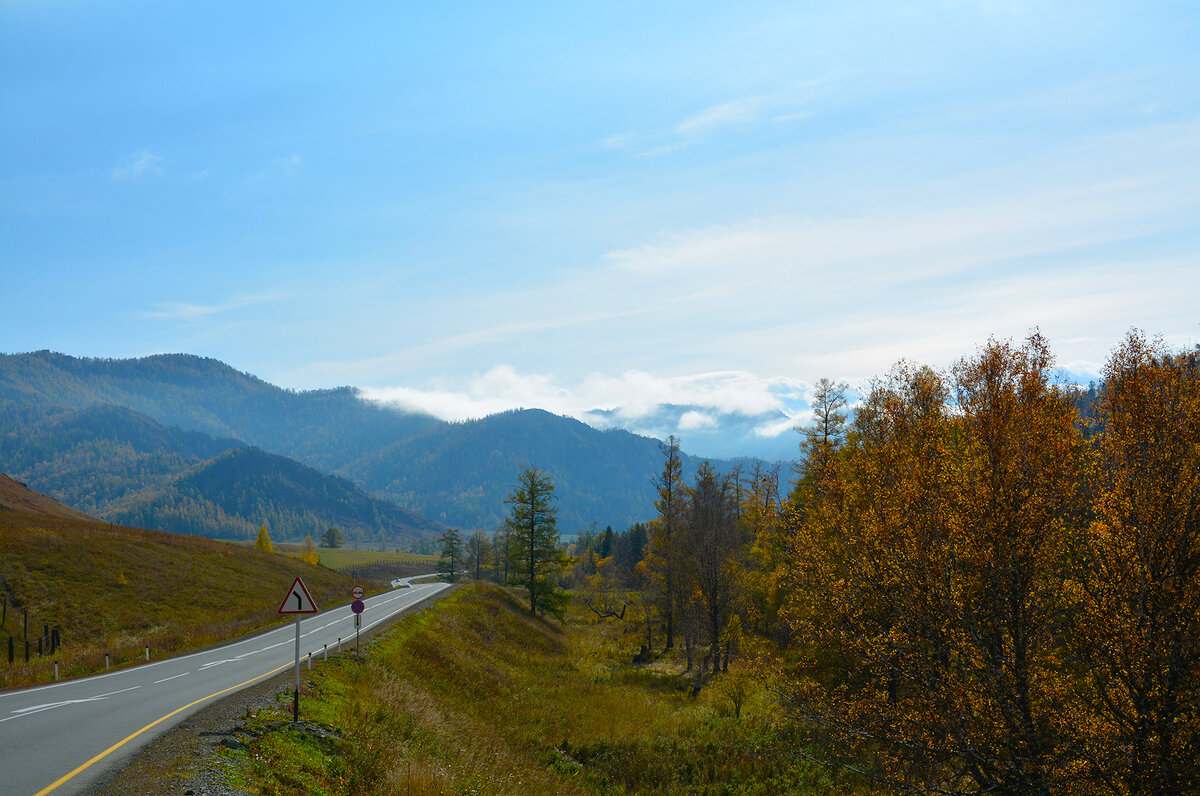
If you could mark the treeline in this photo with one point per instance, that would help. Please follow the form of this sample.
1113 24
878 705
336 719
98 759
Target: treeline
986 582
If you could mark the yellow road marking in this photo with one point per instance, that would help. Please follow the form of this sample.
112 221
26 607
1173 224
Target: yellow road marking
154 723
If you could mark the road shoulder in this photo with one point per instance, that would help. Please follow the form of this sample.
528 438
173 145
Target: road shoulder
190 758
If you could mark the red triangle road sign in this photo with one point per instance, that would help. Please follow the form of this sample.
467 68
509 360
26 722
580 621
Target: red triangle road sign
298 600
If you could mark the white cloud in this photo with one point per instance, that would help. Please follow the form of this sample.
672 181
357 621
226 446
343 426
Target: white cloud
693 420
137 165
184 311
632 396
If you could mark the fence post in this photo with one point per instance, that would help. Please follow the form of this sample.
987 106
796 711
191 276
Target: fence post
27 650
39 648
11 650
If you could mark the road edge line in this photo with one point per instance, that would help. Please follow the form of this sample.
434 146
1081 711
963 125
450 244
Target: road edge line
67 777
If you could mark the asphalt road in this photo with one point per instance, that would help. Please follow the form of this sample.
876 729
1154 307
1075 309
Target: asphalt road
66 736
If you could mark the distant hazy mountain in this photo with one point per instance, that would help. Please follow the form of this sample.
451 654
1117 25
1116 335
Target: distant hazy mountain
455 473
325 429
710 433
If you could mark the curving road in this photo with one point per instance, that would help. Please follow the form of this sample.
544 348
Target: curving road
64 737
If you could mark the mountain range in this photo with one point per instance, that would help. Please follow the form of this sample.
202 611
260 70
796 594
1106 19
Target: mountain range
189 444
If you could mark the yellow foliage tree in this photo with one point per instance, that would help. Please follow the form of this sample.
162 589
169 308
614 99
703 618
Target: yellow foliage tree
925 588
309 554
263 542
1138 575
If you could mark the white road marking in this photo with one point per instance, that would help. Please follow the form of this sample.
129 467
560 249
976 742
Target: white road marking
32 709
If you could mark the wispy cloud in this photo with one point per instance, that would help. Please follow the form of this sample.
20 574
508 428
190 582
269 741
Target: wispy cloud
734 112
138 165
288 166
790 105
185 311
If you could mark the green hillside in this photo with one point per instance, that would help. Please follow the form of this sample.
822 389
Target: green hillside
231 495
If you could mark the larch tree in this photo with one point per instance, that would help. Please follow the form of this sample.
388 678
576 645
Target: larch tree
664 554
263 542
478 550
451 554
714 544
534 556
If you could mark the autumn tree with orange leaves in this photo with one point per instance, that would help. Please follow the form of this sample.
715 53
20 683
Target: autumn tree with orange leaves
1137 604
982 600
927 592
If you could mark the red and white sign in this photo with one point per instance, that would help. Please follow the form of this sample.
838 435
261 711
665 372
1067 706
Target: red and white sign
298 600
357 592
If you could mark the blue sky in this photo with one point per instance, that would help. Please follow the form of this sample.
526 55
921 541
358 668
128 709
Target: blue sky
468 207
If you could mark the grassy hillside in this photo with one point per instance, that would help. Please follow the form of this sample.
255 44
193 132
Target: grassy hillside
475 696
369 564
114 589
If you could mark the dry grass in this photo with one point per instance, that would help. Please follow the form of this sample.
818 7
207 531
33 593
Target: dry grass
118 590
475 696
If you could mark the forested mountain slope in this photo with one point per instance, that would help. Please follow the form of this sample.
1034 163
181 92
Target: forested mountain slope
325 429
246 487
60 430
466 470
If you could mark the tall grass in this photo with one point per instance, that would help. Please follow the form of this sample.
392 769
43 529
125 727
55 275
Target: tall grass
475 696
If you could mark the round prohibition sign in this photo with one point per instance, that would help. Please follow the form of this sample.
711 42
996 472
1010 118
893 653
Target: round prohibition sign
357 606
357 592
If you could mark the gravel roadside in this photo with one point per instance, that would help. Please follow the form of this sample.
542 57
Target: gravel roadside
190 759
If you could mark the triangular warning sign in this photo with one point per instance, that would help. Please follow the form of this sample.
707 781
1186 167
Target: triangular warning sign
298 600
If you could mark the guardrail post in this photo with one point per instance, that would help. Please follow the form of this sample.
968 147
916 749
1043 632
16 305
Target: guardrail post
310 661
147 653
325 653
106 661
56 671
339 649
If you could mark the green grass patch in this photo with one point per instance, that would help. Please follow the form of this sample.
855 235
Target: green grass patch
370 564
473 695
118 590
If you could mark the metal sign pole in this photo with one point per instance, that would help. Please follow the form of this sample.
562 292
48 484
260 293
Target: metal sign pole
296 692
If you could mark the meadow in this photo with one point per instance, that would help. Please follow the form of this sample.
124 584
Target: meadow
474 695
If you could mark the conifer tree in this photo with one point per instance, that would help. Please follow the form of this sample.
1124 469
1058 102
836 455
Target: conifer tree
451 555
533 547
263 542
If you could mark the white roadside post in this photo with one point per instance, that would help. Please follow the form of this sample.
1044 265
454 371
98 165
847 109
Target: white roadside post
297 602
